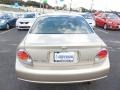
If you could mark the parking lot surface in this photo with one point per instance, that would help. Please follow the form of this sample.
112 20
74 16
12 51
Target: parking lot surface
8 81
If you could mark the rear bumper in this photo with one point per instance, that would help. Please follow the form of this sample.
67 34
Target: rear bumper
23 27
62 76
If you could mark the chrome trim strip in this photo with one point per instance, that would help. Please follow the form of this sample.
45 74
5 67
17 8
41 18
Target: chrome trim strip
45 82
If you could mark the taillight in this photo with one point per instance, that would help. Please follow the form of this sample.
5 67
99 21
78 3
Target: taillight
23 56
102 54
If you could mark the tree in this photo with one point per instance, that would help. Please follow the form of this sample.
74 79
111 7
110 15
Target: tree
32 3
10 2
84 9
65 7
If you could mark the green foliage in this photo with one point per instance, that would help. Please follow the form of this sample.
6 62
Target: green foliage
65 7
32 3
11 2
84 9
45 1
28 3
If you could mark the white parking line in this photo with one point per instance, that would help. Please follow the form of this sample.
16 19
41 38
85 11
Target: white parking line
117 42
102 30
13 44
6 31
118 48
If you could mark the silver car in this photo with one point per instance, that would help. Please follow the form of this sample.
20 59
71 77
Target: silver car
61 48
26 20
89 18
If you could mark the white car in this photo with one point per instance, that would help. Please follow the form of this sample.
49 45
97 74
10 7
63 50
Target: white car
26 21
89 18
18 15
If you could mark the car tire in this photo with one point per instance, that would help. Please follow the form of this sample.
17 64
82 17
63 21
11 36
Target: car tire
88 83
96 24
105 27
7 26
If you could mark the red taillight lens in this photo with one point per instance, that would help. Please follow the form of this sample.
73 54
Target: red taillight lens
22 55
102 54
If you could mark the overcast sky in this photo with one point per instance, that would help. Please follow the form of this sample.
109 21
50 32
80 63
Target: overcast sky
97 4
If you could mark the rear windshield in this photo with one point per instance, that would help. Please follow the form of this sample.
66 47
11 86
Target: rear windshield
61 25
32 15
112 16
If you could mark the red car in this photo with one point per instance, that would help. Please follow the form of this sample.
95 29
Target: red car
108 21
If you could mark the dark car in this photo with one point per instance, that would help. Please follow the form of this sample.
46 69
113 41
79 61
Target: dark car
7 21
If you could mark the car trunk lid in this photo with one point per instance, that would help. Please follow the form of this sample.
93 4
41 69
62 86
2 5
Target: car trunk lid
44 47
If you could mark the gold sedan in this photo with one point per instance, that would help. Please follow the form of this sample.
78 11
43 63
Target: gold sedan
61 48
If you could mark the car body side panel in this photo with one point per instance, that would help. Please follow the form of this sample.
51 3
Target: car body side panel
100 21
12 22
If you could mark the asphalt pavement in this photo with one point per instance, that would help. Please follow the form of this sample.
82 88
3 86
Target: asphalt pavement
8 81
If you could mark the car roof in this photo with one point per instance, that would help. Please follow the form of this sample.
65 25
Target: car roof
108 13
62 14
82 13
30 12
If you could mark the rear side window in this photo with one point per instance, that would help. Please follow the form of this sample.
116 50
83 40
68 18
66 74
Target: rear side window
61 25
87 16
